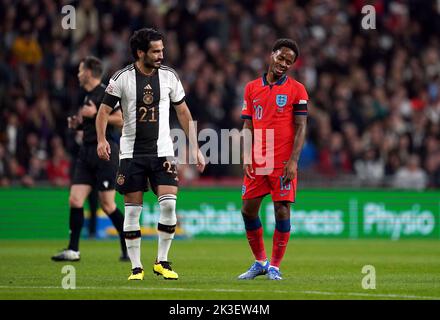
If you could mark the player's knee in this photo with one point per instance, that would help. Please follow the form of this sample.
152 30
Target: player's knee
131 217
245 214
75 201
167 204
108 206
249 212
282 211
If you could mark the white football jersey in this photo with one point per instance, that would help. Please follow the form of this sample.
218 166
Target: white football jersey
145 102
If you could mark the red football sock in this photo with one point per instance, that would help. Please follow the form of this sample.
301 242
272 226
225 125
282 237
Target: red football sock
255 238
280 240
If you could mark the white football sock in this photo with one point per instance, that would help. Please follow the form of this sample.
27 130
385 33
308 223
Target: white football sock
132 228
167 225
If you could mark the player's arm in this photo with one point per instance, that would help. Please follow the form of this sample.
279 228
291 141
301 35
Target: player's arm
110 102
115 118
102 119
248 133
300 136
90 111
177 97
75 122
300 121
248 136
186 121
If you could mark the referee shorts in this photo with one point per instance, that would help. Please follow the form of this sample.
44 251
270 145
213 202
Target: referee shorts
91 170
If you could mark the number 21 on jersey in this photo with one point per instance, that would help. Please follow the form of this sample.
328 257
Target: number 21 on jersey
258 111
143 112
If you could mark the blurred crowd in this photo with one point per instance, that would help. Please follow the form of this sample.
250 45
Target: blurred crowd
374 110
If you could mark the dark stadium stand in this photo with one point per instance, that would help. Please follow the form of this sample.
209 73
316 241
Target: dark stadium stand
374 94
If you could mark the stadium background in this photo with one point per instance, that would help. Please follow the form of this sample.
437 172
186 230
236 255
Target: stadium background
374 98
370 167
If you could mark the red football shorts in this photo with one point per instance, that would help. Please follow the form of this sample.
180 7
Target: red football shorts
271 183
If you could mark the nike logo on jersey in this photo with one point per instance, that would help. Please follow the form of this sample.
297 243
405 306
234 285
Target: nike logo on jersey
255 100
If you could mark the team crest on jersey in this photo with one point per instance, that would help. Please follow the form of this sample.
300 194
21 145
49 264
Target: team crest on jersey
148 98
148 95
120 179
281 100
243 190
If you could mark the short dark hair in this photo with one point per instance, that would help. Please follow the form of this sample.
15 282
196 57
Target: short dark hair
288 43
93 64
141 40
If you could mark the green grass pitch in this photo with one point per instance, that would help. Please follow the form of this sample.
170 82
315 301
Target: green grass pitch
312 269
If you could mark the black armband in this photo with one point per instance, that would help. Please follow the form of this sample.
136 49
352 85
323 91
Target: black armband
178 102
110 100
300 109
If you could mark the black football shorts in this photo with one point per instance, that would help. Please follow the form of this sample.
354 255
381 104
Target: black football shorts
91 170
135 174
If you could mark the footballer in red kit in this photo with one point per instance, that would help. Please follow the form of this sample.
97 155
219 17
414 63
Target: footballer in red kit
275 114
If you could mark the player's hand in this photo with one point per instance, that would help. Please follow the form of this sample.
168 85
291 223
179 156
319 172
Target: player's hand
73 122
249 171
289 172
200 161
89 110
104 150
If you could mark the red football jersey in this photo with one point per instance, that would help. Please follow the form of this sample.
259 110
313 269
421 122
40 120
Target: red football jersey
272 109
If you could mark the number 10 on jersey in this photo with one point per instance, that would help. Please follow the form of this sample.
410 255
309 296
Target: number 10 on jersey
258 110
